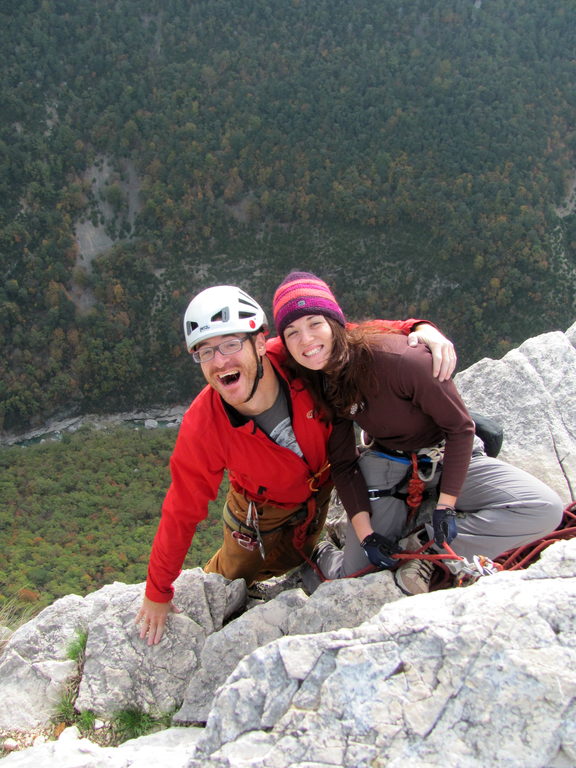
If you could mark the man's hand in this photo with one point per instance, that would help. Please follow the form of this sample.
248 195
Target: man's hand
152 619
443 352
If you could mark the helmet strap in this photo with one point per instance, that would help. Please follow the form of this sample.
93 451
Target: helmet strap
259 370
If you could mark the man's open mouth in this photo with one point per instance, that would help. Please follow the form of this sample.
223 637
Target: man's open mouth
229 378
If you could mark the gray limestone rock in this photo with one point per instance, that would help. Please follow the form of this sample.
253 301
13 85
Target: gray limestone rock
428 676
333 605
531 391
120 670
171 748
424 677
223 650
34 668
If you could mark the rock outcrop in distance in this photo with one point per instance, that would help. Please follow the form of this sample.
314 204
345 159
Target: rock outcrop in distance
354 675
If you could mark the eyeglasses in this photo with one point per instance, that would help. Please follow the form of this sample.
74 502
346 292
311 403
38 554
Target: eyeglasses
205 354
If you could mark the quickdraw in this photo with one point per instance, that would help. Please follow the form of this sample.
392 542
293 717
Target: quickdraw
435 455
246 532
466 572
461 572
458 571
252 522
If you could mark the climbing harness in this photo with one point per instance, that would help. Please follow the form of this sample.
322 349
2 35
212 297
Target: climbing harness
244 521
248 534
421 468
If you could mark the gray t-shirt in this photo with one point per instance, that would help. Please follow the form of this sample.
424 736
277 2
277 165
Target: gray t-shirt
277 425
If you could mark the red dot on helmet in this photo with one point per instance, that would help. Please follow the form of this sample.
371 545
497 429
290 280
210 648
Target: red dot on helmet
252 324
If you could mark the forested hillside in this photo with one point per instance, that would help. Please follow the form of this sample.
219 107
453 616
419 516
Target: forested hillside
420 155
91 519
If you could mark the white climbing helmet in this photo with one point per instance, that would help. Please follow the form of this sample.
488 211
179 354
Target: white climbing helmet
220 310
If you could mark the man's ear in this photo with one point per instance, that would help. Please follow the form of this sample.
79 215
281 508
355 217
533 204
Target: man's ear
260 343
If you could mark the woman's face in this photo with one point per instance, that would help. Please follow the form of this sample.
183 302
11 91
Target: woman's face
309 340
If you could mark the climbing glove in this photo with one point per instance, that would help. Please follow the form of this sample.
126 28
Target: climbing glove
379 550
444 525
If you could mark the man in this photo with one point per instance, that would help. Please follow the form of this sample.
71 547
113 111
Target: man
255 423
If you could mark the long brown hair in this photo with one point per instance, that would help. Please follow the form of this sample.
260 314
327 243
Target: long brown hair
349 373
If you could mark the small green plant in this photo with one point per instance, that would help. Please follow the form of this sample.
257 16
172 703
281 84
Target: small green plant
13 614
65 711
132 723
85 722
77 647
125 724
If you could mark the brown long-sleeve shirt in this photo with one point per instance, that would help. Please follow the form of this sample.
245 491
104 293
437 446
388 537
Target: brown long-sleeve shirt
407 409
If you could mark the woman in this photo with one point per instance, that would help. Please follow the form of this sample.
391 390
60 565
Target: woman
419 430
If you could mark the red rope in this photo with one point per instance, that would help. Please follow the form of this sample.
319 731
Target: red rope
299 537
416 488
300 531
511 560
525 555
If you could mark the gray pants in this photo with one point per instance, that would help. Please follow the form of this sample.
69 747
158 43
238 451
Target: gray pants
506 507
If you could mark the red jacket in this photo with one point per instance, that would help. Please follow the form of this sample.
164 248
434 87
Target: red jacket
213 439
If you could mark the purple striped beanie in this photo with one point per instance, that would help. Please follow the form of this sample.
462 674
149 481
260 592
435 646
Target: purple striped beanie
301 294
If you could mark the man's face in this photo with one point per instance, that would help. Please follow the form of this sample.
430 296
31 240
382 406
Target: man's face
232 376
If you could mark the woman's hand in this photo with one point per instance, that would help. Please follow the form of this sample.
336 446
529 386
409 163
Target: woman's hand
380 550
444 519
